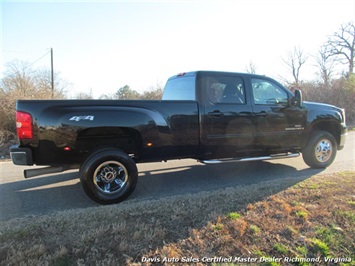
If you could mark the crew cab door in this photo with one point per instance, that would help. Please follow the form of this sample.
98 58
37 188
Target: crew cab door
279 123
227 126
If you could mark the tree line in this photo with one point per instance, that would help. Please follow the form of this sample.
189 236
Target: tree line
337 50
21 81
331 87
335 79
127 93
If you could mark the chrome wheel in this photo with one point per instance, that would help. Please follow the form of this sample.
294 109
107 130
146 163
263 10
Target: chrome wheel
323 150
110 177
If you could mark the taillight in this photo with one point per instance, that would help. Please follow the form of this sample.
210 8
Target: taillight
24 125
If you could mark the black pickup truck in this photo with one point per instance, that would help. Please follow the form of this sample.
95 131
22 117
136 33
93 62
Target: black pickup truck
214 117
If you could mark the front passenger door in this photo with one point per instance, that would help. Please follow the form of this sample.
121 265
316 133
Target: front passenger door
279 125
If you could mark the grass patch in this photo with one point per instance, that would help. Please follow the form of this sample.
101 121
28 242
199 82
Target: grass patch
255 229
280 248
217 227
301 251
318 247
302 214
348 215
233 215
270 220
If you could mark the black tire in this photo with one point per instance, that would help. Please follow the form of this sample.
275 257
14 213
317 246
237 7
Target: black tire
320 150
108 176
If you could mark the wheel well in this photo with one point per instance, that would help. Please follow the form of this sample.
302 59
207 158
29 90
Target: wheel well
127 139
332 128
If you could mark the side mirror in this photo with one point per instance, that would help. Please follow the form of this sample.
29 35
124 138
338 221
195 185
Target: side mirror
298 98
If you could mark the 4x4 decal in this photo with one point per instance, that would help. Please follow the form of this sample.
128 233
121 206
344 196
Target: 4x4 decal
82 117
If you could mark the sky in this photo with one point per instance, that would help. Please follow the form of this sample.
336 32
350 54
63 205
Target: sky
101 46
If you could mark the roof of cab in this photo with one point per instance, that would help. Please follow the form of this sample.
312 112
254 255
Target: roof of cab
194 73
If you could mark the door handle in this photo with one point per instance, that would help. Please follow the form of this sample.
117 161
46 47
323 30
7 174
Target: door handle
262 114
216 113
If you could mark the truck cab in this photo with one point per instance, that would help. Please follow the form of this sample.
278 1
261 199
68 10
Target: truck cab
247 115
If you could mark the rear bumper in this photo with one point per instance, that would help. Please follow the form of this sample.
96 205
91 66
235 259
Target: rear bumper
21 156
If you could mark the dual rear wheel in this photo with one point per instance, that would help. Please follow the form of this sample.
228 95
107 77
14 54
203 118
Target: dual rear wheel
108 176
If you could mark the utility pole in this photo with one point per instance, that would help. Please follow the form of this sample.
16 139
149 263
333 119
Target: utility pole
52 73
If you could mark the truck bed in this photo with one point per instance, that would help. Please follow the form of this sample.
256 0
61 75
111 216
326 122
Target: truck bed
66 130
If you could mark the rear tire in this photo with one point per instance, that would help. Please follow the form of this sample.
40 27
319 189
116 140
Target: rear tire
320 150
108 176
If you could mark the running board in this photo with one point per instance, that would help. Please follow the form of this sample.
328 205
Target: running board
271 157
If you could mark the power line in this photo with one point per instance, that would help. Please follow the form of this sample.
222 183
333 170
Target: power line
36 60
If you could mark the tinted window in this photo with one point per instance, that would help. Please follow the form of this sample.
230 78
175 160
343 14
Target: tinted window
224 89
180 88
266 92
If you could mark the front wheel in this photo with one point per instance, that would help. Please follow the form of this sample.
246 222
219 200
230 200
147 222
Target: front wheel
108 176
321 150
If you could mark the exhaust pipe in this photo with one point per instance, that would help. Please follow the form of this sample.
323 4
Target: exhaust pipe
46 170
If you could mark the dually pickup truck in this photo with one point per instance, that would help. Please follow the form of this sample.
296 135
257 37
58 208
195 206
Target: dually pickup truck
213 117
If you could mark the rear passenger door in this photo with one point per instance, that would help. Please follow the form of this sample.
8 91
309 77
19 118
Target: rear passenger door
227 120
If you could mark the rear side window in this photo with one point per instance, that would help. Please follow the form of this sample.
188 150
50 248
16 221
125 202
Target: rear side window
224 89
180 88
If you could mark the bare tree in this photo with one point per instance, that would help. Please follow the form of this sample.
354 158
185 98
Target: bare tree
341 45
27 83
251 68
109 96
18 78
44 87
294 61
325 64
154 93
22 82
84 95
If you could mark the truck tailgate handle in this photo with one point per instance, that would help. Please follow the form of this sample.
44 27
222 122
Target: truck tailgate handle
216 113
